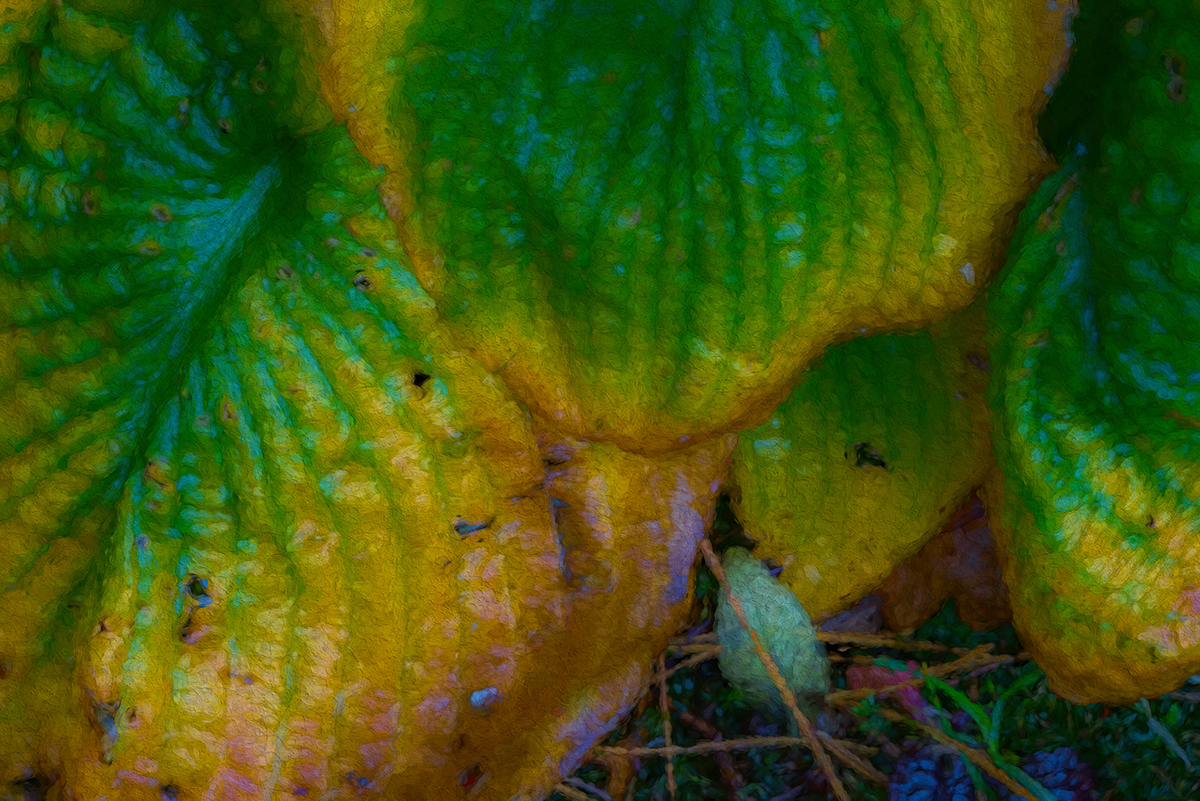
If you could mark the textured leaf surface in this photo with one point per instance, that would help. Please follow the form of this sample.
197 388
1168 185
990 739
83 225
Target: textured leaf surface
264 533
866 460
1097 369
648 218
784 629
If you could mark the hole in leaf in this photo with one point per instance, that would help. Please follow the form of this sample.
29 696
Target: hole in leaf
169 792
225 124
358 781
482 701
463 527
198 589
370 253
419 379
361 282
866 456
285 272
472 776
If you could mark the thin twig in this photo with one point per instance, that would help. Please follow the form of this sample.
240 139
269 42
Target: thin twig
591 789
740 744
852 760
968 661
570 792
806 729
882 640
666 722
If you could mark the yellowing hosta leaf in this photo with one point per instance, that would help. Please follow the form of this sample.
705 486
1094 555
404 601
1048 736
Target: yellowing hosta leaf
649 217
264 532
866 460
1096 380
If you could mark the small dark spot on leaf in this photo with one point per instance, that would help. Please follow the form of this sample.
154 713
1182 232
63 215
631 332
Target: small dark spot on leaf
866 456
258 86
983 364
773 567
460 743
225 124
361 282
559 503
161 213
169 793
285 272
1150 522
3 670
463 527
419 379
88 203
102 626
1174 63
261 66
1177 89
186 631
370 253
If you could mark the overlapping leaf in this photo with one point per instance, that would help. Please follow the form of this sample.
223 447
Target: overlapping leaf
866 460
1096 367
648 218
263 531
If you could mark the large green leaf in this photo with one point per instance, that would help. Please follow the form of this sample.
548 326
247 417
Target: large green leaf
264 531
649 217
1097 381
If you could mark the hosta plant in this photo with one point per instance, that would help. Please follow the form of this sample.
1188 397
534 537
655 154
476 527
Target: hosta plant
866 460
370 369
648 219
266 531
1095 367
